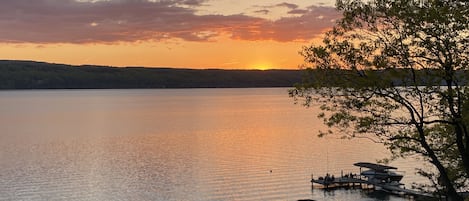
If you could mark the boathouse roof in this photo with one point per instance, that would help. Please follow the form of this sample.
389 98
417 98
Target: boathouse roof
374 166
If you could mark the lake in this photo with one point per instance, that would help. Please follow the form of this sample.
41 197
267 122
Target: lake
178 144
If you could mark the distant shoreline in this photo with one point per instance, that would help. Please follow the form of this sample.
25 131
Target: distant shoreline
77 89
27 75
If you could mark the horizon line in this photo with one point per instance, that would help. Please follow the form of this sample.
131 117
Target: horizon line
149 67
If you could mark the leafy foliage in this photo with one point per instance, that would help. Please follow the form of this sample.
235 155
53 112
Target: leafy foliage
397 71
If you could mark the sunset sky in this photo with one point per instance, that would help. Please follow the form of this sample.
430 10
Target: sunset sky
229 34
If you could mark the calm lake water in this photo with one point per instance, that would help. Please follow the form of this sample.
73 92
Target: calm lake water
184 144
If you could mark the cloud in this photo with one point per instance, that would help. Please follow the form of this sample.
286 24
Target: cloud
298 11
262 11
299 28
287 5
108 21
192 2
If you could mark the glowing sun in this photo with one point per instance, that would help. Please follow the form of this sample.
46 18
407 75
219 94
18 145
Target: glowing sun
262 66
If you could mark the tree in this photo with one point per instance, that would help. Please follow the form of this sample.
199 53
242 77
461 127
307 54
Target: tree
398 71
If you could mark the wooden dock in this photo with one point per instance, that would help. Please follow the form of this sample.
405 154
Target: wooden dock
376 177
358 182
339 182
403 191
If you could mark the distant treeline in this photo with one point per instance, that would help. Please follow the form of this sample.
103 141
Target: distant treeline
39 75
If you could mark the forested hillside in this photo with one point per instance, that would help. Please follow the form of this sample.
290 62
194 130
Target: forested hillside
39 75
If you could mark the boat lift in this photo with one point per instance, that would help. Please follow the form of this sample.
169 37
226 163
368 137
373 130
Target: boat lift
377 177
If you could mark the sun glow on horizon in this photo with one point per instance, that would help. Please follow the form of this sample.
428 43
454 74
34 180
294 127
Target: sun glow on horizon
262 66
220 34
225 54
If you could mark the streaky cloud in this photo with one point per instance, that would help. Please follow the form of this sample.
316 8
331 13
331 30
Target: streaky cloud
287 5
298 11
78 22
262 11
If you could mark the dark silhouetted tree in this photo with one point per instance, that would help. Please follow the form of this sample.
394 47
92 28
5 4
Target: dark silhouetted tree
397 71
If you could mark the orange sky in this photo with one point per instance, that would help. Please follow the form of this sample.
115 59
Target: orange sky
166 33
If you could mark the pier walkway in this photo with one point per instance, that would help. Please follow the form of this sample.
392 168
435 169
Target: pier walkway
331 183
339 182
402 191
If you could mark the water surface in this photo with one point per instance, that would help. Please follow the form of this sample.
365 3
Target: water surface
184 144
